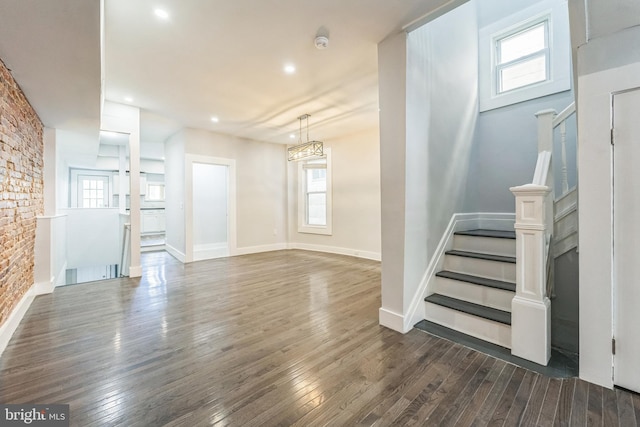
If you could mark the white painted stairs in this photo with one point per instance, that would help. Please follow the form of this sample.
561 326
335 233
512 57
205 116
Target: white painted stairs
473 292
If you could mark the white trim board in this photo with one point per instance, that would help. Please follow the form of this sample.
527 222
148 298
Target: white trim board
175 253
247 250
10 325
458 222
392 320
374 256
210 251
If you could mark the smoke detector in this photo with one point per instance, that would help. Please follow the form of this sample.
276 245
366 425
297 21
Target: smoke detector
321 42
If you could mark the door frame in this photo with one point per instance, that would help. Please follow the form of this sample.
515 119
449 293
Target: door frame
190 159
614 282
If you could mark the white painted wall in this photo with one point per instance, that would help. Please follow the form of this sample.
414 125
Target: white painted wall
442 108
392 76
261 186
209 204
174 195
92 237
605 65
355 169
429 106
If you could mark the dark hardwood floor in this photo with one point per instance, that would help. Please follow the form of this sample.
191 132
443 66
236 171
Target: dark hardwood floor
280 338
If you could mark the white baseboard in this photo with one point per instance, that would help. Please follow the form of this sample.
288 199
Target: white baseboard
135 271
175 253
13 321
374 256
61 277
43 288
247 250
458 222
210 251
392 320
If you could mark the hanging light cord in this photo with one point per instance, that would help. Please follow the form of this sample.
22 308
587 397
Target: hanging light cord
300 133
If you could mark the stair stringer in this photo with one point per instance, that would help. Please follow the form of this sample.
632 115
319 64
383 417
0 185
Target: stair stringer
458 222
565 224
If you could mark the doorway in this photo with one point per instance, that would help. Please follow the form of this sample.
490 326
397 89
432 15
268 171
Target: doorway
210 211
626 244
209 208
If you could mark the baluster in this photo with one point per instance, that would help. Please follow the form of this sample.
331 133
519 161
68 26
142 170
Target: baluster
563 142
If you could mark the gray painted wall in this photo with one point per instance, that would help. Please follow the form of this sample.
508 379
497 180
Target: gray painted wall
564 306
505 145
505 152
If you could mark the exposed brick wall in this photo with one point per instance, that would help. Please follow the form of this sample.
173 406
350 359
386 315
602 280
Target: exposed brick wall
21 191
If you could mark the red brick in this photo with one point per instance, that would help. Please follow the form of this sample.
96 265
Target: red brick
21 197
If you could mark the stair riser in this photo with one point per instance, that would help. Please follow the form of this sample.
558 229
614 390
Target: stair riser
479 267
487 245
488 330
483 295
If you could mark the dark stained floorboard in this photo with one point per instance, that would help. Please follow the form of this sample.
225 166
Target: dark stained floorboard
565 403
279 338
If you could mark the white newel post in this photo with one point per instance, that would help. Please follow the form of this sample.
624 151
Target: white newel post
530 308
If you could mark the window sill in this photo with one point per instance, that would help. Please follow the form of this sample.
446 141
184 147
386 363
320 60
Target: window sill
310 229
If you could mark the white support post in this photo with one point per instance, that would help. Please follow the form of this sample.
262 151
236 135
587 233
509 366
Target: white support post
563 146
530 308
545 129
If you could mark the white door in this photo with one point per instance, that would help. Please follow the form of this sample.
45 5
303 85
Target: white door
626 235
210 211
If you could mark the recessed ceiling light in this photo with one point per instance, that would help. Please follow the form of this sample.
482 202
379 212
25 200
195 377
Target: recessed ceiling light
289 68
292 136
128 99
215 119
161 14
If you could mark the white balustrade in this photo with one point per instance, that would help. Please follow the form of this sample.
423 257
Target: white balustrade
531 307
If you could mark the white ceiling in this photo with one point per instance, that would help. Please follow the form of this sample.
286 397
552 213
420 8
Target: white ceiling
53 51
212 57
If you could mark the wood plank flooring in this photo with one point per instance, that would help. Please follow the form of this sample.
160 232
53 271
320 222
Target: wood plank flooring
274 339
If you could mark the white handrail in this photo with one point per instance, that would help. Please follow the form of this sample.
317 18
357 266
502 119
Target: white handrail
564 115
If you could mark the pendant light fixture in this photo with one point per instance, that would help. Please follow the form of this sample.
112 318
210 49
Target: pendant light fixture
304 149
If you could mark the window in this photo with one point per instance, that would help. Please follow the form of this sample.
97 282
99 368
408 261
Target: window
522 58
155 192
525 55
93 191
314 201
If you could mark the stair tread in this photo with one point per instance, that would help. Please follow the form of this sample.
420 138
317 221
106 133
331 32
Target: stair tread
478 255
477 280
480 232
470 308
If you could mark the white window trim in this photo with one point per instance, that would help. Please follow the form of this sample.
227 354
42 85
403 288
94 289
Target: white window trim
73 185
559 64
147 196
303 227
545 20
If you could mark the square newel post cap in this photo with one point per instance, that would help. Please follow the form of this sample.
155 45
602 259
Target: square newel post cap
547 112
530 190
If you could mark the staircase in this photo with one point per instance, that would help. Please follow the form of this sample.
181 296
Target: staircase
565 226
473 292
